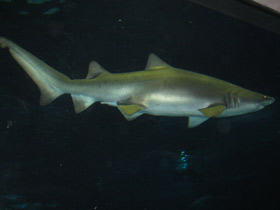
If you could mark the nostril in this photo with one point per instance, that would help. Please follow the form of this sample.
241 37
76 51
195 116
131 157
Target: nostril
270 99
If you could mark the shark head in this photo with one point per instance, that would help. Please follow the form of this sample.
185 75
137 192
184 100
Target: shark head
250 101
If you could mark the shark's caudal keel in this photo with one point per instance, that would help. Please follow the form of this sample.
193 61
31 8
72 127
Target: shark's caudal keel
158 90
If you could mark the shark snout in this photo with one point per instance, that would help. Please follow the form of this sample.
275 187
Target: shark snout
267 100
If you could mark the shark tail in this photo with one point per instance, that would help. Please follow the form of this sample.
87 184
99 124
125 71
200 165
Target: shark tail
51 83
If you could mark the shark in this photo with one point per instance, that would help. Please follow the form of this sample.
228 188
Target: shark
159 89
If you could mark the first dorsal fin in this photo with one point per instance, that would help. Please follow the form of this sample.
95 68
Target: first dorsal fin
154 63
94 70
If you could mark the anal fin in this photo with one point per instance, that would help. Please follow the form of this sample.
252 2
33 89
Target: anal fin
81 102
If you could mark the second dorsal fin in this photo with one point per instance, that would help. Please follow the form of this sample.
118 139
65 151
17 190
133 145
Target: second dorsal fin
95 70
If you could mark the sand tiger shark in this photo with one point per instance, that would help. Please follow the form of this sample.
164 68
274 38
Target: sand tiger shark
159 89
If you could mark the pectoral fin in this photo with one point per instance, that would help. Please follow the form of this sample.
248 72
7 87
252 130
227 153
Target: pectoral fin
213 111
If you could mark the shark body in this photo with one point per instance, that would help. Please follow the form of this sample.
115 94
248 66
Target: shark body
159 90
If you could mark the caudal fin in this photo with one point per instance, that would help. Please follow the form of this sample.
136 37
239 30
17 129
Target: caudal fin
51 83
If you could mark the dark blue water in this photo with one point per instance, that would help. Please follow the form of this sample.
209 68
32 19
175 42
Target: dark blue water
52 158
